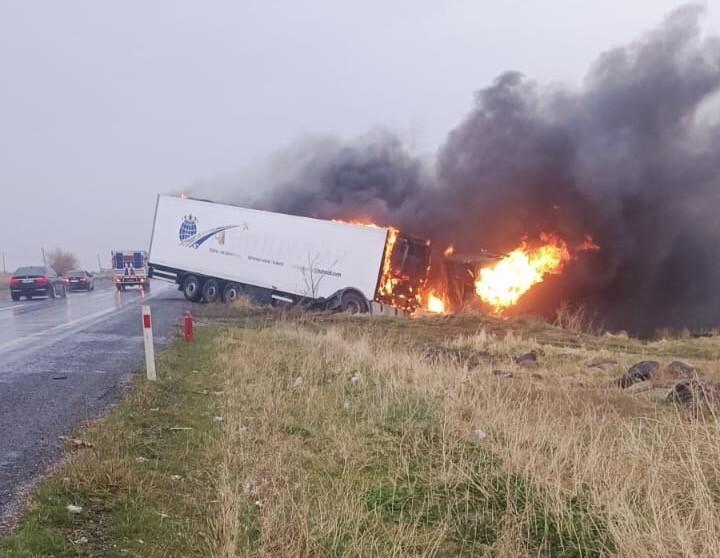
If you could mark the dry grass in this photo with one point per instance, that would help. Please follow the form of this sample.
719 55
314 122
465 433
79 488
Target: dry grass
340 439
392 464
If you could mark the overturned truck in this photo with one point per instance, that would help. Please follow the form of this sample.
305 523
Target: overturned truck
217 252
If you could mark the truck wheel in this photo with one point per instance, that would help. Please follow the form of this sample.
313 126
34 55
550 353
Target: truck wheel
354 303
15 297
232 292
211 291
191 288
51 292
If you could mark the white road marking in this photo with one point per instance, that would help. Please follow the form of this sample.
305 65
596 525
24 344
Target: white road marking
68 328
8 308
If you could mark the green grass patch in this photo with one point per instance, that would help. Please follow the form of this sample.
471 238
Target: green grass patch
146 485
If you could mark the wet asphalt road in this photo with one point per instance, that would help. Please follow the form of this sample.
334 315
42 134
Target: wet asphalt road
64 361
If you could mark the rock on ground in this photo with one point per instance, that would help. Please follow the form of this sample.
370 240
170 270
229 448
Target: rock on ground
639 372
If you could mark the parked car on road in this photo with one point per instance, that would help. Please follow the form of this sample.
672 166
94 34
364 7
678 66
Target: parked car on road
36 280
79 280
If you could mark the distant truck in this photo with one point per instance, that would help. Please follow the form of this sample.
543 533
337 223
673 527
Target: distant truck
130 268
217 252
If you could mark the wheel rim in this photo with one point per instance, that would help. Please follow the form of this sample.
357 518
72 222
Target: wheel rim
211 293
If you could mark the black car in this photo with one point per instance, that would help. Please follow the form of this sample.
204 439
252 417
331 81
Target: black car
37 280
78 280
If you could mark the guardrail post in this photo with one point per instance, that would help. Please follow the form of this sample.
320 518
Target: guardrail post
149 347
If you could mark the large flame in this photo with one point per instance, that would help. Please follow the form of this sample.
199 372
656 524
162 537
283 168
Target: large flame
387 281
434 303
502 284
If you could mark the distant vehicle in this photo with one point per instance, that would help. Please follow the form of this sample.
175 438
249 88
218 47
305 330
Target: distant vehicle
79 280
35 281
130 268
219 252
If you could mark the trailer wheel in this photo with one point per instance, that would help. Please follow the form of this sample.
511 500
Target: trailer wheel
354 303
231 293
211 291
191 288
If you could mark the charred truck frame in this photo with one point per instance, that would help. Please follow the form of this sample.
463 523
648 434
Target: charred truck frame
217 252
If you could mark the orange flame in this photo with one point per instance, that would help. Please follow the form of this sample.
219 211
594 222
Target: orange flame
434 303
387 282
360 222
502 284
449 251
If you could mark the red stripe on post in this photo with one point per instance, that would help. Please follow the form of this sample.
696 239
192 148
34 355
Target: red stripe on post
146 321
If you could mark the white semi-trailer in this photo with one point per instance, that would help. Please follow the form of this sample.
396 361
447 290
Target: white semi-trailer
220 252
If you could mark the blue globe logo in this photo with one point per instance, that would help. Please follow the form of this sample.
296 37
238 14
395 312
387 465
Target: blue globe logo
188 228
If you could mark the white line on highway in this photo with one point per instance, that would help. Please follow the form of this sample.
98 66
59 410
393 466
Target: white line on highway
7 308
71 326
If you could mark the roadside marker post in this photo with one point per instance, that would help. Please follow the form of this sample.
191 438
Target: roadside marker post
188 327
148 338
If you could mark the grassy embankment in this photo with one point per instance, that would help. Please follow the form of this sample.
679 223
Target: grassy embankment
338 438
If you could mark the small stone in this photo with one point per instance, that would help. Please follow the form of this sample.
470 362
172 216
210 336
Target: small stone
81 540
480 435
154 409
528 360
682 369
639 372
258 504
502 374
175 477
602 363
218 419
248 489
72 508
141 459
347 404
298 381
695 394
355 378
640 386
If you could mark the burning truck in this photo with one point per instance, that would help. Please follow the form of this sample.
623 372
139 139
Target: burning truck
217 252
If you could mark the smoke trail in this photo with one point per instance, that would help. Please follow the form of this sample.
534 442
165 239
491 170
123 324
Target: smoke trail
632 158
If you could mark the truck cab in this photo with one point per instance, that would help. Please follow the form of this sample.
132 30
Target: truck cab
405 272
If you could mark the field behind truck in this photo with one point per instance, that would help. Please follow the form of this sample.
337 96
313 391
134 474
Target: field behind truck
300 435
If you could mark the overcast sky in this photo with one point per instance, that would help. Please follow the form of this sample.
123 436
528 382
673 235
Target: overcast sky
103 105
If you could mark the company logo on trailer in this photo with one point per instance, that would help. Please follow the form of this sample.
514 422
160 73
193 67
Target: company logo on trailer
188 228
191 238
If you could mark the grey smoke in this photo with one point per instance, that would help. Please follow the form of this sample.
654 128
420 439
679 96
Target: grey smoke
632 158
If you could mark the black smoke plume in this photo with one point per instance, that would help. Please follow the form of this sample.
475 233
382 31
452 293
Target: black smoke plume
632 158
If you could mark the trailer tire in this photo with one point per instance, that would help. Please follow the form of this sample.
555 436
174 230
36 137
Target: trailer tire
231 293
211 291
192 288
353 303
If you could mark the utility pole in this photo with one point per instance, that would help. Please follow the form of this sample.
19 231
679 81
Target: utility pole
99 264
43 254
4 269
